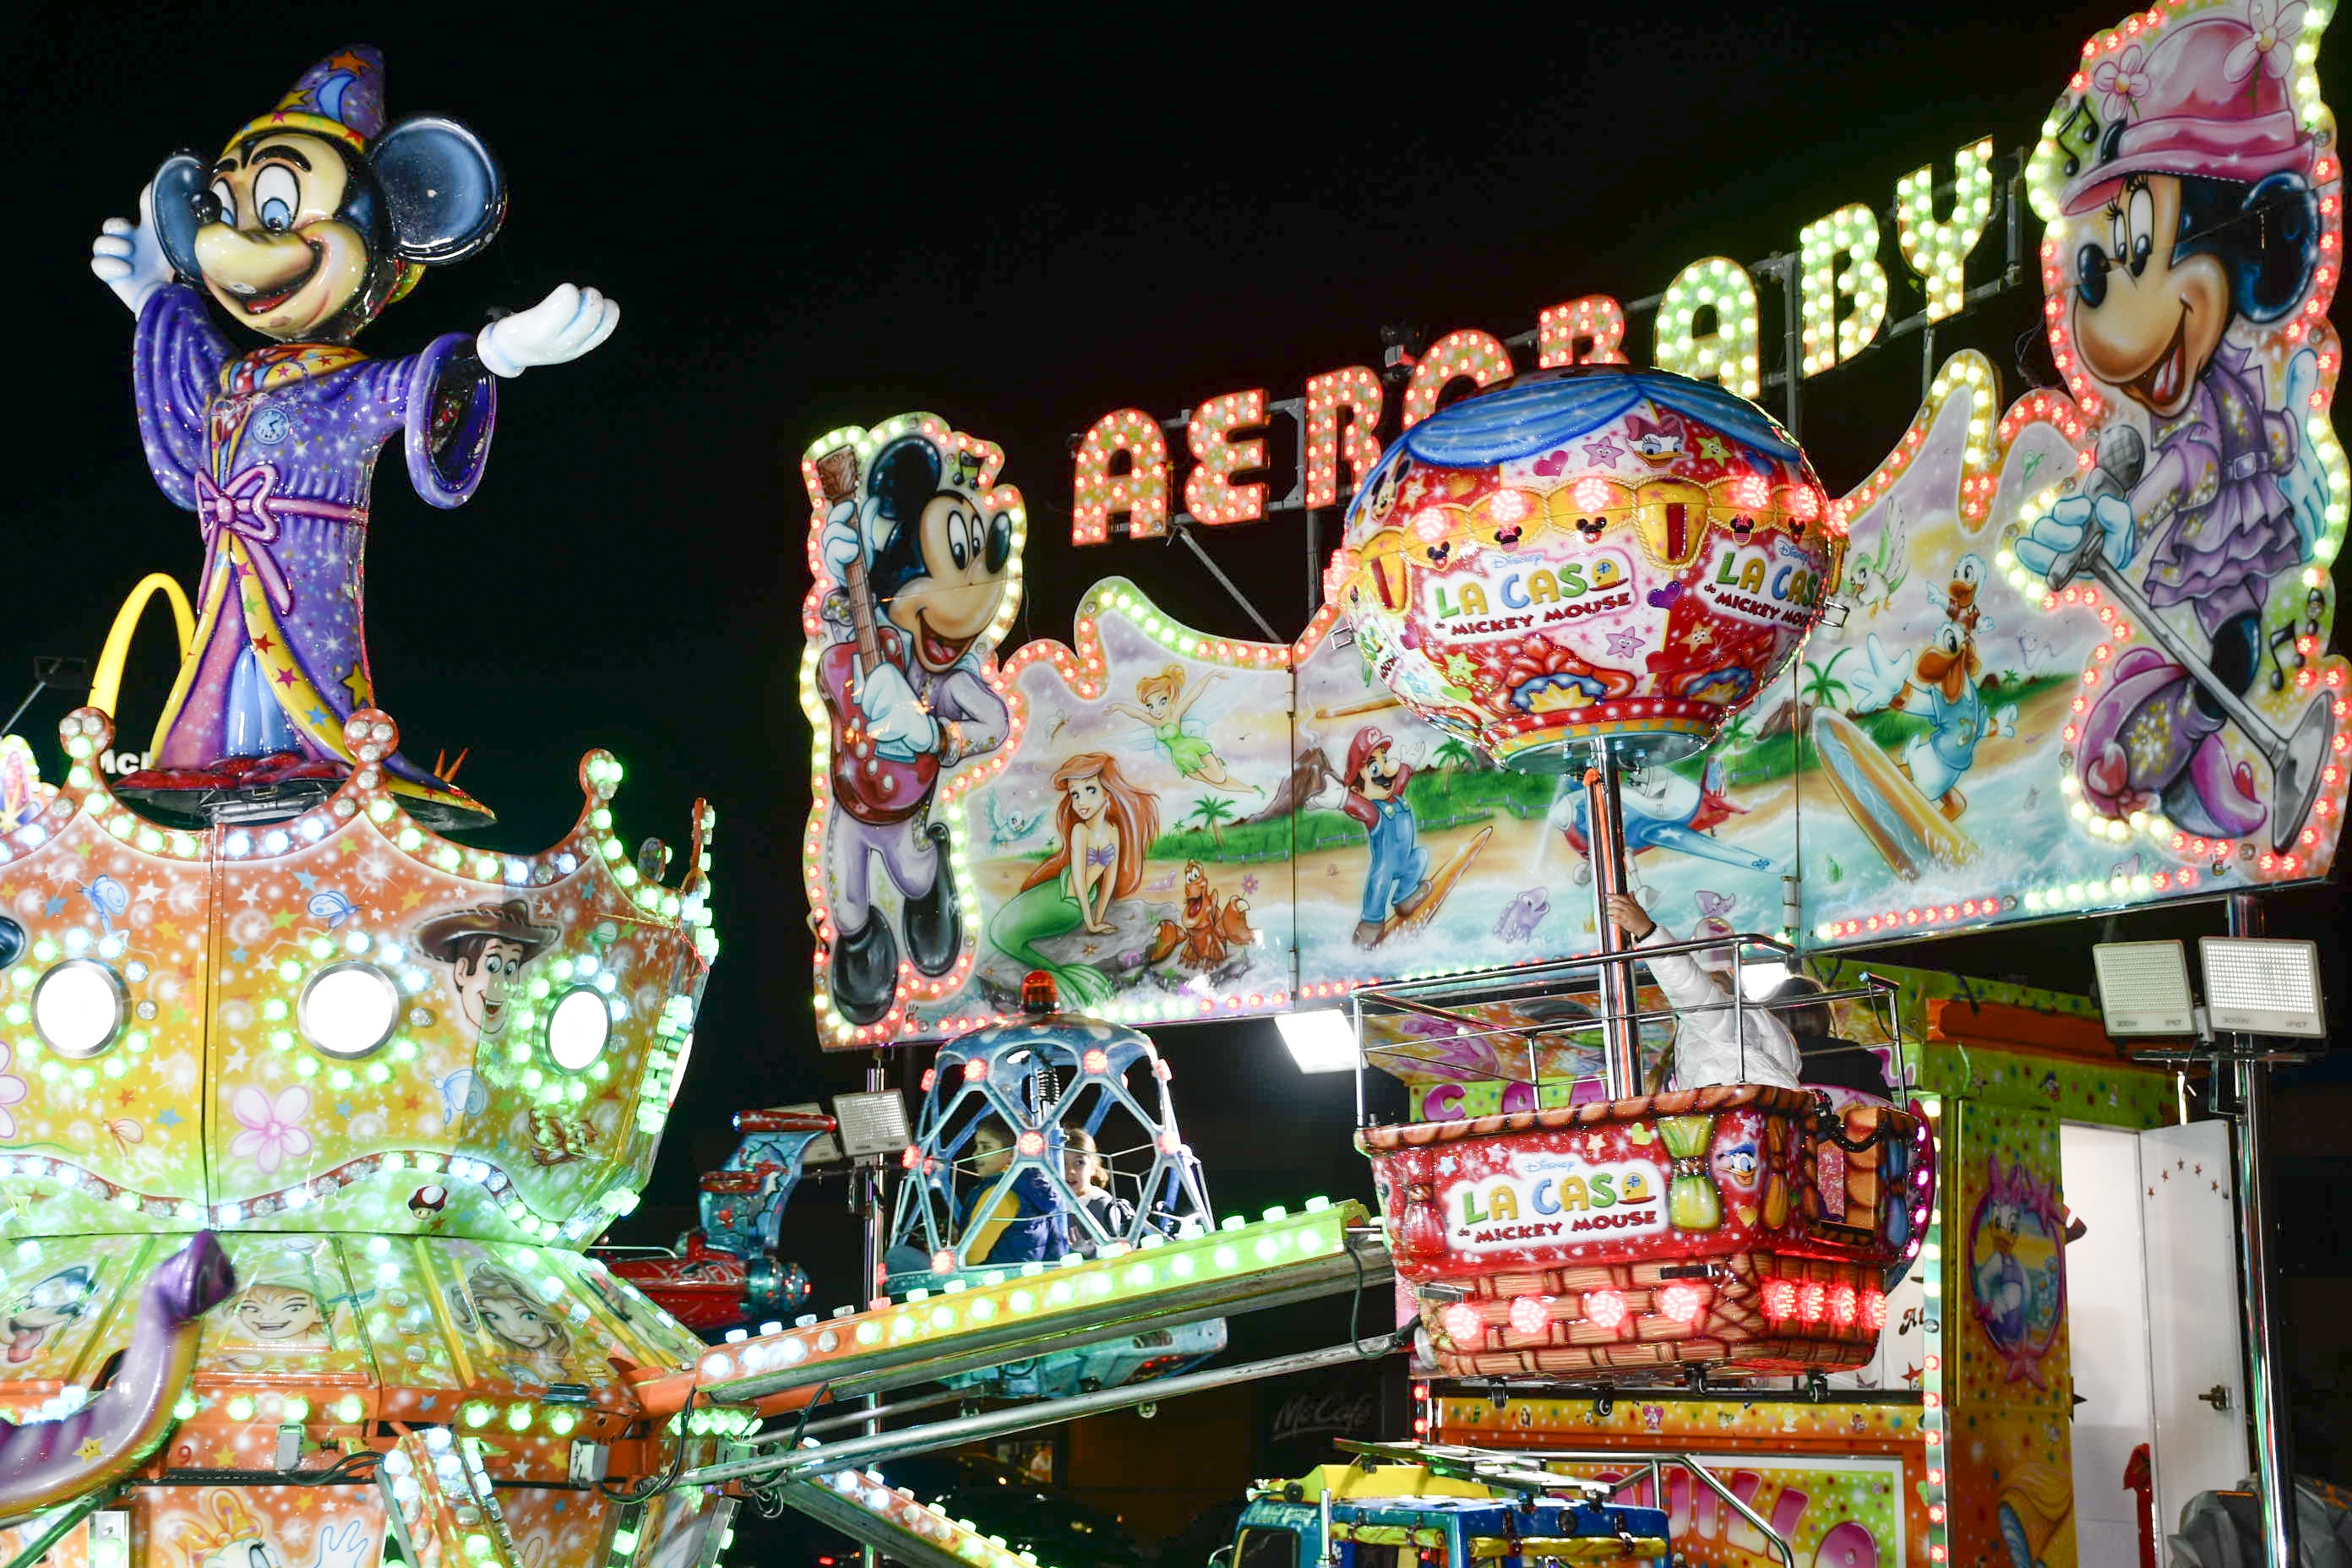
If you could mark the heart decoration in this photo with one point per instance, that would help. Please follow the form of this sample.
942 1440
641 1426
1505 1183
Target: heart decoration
1747 1214
1662 597
1553 465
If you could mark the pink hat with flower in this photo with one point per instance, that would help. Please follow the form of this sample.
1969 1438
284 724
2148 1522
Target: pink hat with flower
2208 98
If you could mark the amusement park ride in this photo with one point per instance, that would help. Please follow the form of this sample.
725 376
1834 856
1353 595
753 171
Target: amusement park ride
315 1115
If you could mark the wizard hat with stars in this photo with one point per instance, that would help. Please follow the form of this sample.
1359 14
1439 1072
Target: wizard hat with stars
340 98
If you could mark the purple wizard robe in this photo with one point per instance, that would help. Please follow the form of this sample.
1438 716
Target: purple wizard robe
275 451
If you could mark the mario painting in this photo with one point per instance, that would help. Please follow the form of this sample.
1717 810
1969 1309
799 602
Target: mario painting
922 558
1397 882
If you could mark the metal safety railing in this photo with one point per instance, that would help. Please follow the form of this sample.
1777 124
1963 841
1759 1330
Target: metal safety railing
1447 999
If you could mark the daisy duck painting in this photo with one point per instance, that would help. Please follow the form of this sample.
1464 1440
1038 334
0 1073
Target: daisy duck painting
2191 191
309 221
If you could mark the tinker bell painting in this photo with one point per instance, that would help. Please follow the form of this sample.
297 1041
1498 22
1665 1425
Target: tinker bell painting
1105 825
1167 715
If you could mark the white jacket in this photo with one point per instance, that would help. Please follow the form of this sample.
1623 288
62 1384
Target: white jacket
1708 1045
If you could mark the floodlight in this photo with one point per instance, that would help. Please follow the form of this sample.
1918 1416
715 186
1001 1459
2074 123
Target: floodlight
1321 1040
79 1008
823 1149
872 1124
2263 986
578 1028
2144 988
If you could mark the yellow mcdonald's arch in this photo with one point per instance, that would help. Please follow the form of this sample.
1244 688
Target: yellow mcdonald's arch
107 684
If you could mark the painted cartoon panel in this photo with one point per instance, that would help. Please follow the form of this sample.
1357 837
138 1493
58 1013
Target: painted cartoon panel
1833 1512
295 1313
262 1527
2011 1478
915 551
2078 656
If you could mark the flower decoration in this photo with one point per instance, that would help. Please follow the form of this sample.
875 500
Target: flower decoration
2274 27
12 1092
273 1129
2122 82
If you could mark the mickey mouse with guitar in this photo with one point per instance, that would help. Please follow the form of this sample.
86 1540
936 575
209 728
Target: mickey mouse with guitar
922 559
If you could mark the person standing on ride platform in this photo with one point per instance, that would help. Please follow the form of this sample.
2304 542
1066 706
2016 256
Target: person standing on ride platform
1713 1043
1028 1222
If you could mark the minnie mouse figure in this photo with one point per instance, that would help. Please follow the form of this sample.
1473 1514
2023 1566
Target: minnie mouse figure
2192 232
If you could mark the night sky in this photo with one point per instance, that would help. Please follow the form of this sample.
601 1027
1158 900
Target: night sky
1019 229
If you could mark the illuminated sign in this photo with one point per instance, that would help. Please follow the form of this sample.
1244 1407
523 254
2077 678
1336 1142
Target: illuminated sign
1707 323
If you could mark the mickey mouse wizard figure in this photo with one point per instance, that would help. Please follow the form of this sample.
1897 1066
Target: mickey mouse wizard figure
313 219
918 570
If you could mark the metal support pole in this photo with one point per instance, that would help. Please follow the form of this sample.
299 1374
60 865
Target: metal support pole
1792 337
1620 1054
2266 1399
873 1179
1026 1417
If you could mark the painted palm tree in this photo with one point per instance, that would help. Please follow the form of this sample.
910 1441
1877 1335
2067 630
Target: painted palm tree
1453 752
1212 812
1738 731
1823 689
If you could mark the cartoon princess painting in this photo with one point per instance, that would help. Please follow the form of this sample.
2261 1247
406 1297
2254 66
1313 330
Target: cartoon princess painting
1105 825
498 1303
2190 232
1165 704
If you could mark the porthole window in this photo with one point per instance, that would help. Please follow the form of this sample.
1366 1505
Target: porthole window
350 1009
578 1028
79 1008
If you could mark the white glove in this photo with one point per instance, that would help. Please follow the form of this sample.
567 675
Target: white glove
895 717
346 1548
2054 538
2305 483
561 327
839 544
1881 680
129 259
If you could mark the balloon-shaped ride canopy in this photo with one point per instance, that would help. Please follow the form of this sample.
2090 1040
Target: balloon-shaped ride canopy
1597 551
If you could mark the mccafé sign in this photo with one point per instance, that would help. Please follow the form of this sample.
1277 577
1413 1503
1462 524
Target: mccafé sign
1707 324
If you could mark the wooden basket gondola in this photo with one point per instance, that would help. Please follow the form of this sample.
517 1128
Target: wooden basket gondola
1738 1225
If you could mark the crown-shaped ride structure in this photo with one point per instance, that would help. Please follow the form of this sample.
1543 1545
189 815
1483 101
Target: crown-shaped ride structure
404 1082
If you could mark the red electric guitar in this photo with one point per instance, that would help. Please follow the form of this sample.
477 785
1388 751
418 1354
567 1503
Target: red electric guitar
871 788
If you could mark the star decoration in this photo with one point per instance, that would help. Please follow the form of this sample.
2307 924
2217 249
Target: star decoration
307 880
1624 645
283 677
1604 450
356 682
54 908
90 1448
169 1118
1713 450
